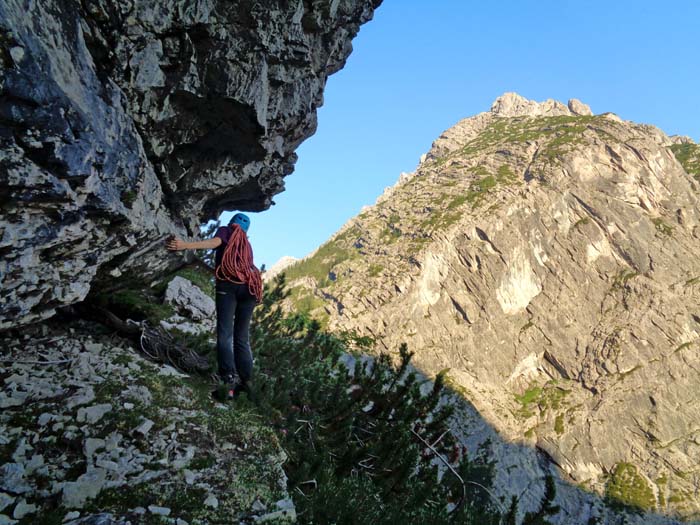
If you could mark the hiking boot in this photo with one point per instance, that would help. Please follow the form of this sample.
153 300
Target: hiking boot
230 387
227 390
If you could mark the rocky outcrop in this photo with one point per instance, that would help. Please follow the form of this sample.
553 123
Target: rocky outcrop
194 309
122 122
277 268
549 259
507 105
514 105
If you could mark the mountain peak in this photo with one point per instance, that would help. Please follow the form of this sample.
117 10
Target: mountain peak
508 105
514 105
281 264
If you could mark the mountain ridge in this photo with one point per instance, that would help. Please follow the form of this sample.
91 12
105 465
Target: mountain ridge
549 260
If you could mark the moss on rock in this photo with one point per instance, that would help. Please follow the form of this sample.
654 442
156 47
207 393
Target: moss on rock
628 487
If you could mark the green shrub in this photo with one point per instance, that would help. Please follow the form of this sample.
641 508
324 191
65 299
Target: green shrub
581 222
390 234
689 157
479 189
559 424
128 197
505 175
375 269
661 227
320 264
309 305
627 487
550 396
457 202
138 304
351 430
555 132
547 507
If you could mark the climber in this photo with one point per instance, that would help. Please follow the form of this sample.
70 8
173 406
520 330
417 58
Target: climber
238 289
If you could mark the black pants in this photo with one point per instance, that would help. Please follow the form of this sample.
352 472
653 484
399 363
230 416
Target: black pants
234 309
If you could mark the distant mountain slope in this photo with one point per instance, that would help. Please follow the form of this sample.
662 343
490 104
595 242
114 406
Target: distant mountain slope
283 263
550 258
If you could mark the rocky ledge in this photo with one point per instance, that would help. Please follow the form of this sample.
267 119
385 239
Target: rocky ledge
123 122
92 433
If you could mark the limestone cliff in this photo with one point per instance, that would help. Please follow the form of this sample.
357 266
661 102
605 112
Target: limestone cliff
124 121
550 259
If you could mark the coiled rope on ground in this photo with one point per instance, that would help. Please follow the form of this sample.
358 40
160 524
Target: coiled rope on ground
161 347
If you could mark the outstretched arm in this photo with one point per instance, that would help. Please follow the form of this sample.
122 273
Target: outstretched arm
176 244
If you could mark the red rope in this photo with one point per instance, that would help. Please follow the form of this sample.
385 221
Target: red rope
237 263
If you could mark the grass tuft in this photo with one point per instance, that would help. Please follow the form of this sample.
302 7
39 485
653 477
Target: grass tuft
627 487
689 157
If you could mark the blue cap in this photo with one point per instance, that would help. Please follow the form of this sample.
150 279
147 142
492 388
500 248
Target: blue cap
242 220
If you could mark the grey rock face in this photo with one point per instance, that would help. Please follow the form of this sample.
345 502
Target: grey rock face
182 294
550 260
279 267
579 108
97 519
5 500
514 105
123 122
92 445
144 428
92 414
87 486
182 324
12 478
23 509
83 397
161 511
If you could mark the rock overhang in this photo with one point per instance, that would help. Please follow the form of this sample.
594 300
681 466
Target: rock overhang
124 123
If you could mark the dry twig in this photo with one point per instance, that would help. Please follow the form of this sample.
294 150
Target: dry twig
462 481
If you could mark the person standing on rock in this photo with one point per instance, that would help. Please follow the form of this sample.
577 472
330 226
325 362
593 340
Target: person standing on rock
238 290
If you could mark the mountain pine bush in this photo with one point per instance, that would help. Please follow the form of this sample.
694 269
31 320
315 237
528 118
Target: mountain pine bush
355 436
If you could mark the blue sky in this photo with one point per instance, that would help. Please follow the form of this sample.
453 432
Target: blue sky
420 66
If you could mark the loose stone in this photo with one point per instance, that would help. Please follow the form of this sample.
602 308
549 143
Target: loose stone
161 511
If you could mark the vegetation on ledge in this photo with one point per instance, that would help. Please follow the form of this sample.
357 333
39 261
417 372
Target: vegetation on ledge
689 157
353 428
366 441
626 486
320 265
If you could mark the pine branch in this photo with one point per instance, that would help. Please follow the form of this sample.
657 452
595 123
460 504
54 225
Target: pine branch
456 474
